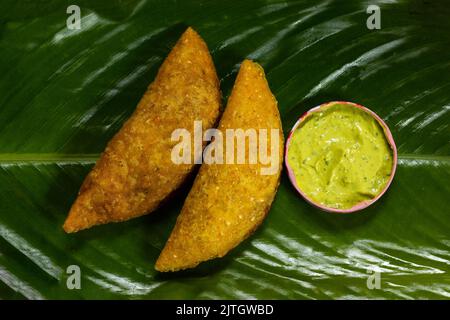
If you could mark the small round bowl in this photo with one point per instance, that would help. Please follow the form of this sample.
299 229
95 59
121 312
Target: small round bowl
363 204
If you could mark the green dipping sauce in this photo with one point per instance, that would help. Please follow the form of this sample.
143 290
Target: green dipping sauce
340 156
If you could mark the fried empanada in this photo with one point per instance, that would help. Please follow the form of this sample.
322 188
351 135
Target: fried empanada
229 201
135 173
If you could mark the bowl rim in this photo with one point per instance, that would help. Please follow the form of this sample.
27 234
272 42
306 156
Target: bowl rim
388 135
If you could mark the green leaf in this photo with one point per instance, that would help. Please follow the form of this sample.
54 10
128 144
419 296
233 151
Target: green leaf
64 93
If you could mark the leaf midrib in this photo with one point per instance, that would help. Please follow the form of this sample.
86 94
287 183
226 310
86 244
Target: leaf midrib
47 157
11 158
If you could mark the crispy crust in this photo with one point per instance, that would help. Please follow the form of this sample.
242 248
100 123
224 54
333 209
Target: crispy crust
227 201
135 172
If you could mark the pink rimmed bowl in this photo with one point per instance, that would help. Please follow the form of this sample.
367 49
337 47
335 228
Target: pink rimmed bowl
389 138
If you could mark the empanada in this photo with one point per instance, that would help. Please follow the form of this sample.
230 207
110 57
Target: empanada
229 201
136 173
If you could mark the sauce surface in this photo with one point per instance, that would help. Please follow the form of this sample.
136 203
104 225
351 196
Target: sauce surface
340 156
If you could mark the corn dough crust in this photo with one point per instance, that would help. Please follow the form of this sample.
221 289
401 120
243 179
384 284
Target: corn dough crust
135 172
227 201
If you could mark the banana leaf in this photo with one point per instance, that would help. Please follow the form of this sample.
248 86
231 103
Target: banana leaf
64 93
